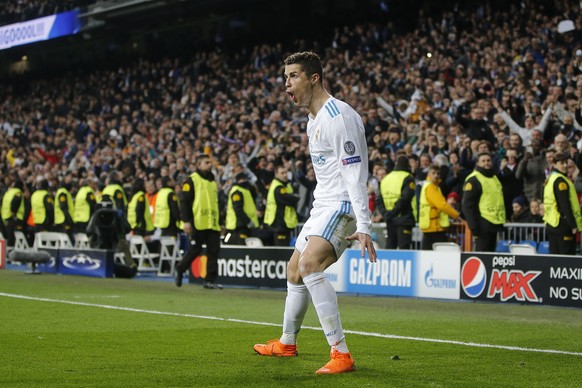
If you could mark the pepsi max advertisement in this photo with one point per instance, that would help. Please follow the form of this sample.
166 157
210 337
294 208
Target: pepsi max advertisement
535 279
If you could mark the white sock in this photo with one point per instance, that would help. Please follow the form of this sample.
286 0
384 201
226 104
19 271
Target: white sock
324 300
295 308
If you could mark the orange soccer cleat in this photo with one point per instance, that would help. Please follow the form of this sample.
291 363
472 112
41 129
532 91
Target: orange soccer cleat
339 363
276 348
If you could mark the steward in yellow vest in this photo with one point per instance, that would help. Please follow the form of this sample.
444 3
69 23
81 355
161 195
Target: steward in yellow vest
166 209
138 210
483 204
115 193
280 213
396 203
64 210
42 208
85 205
13 211
241 211
561 209
200 213
434 211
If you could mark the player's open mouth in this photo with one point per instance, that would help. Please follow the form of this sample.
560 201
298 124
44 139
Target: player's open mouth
292 97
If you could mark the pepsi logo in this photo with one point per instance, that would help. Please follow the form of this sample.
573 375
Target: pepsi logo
473 277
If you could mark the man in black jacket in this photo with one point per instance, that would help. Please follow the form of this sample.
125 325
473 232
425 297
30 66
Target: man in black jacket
476 127
397 204
483 204
200 213
561 209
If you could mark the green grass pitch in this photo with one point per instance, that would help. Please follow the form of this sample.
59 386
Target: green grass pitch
71 331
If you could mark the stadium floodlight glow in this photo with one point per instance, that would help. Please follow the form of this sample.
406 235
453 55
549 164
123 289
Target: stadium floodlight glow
45 28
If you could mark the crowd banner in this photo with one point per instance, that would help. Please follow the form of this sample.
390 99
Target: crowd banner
86 262
537 279
246 266
31 31
425 274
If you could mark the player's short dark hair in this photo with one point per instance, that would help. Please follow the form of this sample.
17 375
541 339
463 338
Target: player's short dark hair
310 63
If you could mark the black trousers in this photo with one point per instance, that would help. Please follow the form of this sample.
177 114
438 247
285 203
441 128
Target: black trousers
562 244
399 237
237 237
430 238
486 242
212 240
10 226
281 239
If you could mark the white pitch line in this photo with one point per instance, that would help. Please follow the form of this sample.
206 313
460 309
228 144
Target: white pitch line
362 333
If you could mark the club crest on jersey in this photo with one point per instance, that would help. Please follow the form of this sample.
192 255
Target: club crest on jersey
318 159
349 147
351 160
317 134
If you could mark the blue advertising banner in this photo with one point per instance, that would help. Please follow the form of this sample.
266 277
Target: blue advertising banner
425 274
86 262
53 265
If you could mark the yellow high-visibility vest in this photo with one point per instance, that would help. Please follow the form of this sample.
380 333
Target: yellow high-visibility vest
59 214
425 210
132 212
551 212
7 202
491 204
391 190
290 215
82 208
249 207
205 206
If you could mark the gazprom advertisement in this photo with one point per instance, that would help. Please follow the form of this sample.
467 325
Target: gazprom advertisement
424 274
40 29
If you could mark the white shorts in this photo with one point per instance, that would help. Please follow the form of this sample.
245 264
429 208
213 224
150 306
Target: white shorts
333 222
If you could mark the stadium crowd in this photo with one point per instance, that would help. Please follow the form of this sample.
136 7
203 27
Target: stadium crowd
470 80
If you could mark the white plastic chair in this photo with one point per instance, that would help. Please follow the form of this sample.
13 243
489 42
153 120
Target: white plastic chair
20 242
446 247
169 253
253 242
82 241
53 240
146 261
522 249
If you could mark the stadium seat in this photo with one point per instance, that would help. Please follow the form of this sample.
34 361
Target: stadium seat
53 240
446 247
529 242
253 242
82 241
146 261
544 247
523 249
503 246
20 241
170 254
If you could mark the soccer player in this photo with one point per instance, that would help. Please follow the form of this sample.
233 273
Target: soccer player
340 211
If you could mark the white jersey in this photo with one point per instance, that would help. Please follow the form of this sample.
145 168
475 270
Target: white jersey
339 153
